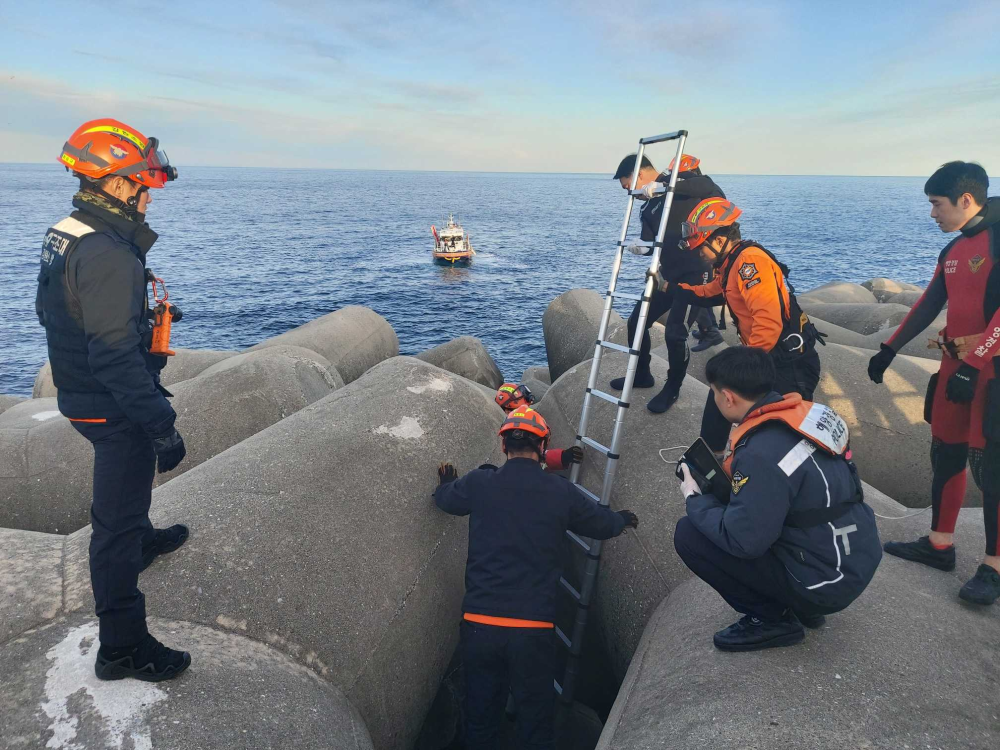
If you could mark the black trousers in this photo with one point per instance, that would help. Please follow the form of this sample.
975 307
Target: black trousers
676 329
800 375
524 659
124 464
758 587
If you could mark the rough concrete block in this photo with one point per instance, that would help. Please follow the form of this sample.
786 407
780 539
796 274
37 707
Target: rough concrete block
30 580
8 401
859 317
353 338
538 380
465 356
570 325
839 292
883 288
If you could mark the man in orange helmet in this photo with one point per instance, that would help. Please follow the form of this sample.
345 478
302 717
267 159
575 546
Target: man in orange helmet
518 517
92 302
753 285
675 266
510 397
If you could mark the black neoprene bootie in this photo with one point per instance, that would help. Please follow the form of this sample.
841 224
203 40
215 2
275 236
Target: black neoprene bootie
922 551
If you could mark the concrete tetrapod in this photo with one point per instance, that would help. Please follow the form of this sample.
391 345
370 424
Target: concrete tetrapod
238 693
570 325
184 365
862 318
641 567
353 338
465 356
319 536
7 402
838 292
883 288
906 665
890 439
538 380
46 467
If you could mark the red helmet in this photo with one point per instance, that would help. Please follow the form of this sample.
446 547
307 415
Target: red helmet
526 421
511 396
100 148
708 216
688 163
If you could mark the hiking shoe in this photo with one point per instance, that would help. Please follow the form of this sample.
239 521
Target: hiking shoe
164 542
149 661
922 551
983 588
751 634
664 399
642 380
697 333
708 340
811 621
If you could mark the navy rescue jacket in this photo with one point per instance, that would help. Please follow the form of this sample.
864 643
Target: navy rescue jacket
775 474
92 302
518 517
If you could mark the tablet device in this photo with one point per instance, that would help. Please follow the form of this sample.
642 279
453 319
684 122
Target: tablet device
706 470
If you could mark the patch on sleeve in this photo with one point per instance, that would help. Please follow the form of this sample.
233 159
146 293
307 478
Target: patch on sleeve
752 284
796 457
738 481
748 271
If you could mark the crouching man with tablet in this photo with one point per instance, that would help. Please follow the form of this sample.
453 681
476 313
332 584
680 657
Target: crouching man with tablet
792 540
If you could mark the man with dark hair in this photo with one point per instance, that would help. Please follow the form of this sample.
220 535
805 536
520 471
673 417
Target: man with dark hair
752 283
92 301
692 187
518 517
963 398
794 540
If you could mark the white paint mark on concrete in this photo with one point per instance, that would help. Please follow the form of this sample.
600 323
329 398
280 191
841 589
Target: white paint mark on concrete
434 384
120 707
408 428
44 416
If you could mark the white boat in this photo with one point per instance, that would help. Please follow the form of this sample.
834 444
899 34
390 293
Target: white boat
451 244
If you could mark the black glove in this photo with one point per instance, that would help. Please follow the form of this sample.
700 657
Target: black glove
630 518
447 473
878 364
961 387
169 451
575 454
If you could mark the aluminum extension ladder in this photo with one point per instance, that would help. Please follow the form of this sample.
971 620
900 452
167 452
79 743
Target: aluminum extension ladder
591 547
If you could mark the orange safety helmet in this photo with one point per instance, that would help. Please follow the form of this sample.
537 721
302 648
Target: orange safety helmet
688 163
100 148
707 217
511 396
526 421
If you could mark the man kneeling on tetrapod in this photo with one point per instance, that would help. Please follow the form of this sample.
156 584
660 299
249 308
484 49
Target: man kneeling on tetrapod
792 540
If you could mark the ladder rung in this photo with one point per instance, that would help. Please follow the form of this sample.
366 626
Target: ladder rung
623 295
569 589
577 538
661 138
598 447
564 638
587 493
617 347
608 397
641 243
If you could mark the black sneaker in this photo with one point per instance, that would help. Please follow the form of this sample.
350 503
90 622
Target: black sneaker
642 380
751 634
983 588
164 542
811 621
708 340
149 661
922 551
664 399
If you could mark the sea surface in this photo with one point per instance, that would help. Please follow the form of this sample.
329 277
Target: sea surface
250 253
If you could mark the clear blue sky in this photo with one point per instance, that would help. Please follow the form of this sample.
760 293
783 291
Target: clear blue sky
782 87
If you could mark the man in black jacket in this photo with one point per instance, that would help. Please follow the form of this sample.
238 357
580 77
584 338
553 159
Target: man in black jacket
675 266
92 302
794 540
518 517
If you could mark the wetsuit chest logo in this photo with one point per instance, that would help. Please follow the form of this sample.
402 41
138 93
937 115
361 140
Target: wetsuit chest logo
976 263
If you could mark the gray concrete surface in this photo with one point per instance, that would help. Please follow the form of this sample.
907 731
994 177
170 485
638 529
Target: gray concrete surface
538 380
238 693
908 298
30 580
884 288
840 292
465 356
7 402
859 317
570 325
319 536
353 338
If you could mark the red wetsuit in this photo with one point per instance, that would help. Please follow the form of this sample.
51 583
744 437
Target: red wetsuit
967 278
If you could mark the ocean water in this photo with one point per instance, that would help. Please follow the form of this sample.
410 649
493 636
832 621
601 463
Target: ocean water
250 253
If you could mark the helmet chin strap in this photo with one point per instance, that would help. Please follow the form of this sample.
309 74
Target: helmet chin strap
130 206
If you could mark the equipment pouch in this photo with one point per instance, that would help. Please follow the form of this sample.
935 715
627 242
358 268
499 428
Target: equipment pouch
929 398
991 419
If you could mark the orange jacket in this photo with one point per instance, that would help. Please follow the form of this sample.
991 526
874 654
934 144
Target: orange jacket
755 293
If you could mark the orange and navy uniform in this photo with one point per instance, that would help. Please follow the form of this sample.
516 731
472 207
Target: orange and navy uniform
755 292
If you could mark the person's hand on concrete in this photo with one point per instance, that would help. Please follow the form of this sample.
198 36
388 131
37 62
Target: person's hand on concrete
630 518
169 451
688 484
447 473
